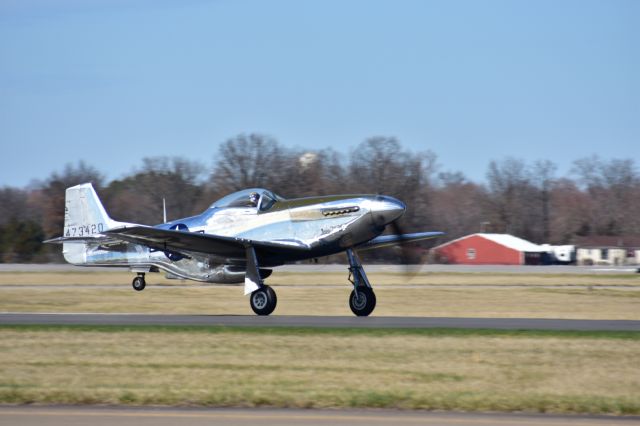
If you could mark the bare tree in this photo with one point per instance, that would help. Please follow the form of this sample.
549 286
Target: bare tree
519 197
570 216
51 199
543 179
380 165
138 198
20 240
457 205
20 229
13 204
252 160
613 187
315 173
509 201
45 211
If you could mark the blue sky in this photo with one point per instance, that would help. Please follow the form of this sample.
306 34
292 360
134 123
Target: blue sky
110 82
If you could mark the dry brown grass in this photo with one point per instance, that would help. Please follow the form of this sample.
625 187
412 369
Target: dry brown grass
462 279
87 276
321 370
326 294
81 276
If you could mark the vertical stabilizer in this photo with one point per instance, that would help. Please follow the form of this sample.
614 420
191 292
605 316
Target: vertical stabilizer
85 221
84 214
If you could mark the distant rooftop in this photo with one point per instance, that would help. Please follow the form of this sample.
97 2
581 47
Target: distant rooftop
506 240
629 241
513 242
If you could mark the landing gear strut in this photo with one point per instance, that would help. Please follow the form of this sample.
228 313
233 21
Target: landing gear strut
362 300
139 282
263 299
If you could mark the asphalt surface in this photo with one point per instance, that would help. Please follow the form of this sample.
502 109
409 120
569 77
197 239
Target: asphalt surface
317 321
130 416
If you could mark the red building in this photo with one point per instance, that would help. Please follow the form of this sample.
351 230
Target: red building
490 249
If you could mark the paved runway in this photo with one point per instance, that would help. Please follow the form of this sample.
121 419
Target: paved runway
130 416
318 321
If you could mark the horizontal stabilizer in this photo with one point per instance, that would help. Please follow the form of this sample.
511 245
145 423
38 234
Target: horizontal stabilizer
96 238
390 240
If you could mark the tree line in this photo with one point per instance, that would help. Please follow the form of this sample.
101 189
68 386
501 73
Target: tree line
526 199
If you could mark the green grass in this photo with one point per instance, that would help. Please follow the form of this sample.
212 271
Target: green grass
334 331
445 369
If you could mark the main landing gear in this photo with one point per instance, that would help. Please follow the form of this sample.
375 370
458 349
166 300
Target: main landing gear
263 301
138 282
362 300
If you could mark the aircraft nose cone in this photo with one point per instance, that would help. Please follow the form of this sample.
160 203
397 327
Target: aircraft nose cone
386 209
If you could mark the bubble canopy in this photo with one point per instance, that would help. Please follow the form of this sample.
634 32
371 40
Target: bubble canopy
248 198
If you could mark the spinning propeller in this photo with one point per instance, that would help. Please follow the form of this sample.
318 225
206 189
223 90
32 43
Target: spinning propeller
406 257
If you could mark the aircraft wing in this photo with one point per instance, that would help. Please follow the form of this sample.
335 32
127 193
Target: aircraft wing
390 240
181 241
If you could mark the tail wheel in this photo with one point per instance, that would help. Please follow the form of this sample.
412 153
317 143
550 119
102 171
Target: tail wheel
263 301
363 302
138 283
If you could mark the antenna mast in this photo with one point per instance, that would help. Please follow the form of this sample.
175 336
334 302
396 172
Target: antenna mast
164 210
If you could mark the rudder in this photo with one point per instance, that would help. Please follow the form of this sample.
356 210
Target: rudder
84 214
84 221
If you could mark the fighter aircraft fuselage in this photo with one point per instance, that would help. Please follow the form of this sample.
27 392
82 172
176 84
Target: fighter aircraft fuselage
236 239
322 225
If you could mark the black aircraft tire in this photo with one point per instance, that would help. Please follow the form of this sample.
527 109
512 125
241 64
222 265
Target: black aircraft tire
138 284
364 304
263 301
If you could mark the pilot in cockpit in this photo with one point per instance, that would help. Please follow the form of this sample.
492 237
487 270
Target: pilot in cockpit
254 197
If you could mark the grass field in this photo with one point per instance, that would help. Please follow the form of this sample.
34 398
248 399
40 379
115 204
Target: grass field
449 370
466 295
474 370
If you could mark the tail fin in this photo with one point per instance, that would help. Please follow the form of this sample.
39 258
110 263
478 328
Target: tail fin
84 221
84 214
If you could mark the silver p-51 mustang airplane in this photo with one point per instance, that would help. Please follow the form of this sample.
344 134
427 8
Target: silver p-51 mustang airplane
238 238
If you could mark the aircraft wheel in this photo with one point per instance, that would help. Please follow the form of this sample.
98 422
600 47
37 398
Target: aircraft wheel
138 283
364 303
263 301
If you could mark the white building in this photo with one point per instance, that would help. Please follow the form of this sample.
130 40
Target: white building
605 250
